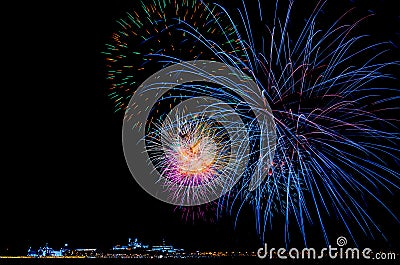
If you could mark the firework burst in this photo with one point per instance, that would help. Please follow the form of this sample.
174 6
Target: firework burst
335 146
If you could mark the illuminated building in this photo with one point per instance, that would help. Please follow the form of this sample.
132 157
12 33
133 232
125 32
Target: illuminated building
47 251
168 249
132 245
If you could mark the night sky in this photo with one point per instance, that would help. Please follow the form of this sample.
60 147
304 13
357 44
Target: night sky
64 178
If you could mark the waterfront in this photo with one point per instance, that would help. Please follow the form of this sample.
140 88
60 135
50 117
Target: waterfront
134 251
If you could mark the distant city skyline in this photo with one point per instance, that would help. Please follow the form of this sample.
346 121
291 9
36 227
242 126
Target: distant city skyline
135 249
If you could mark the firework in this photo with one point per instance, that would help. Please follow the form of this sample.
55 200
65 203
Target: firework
194 151
199 149
292 124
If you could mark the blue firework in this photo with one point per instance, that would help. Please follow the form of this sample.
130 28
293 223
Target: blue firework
337 132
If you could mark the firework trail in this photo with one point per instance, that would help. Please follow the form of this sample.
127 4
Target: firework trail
333 146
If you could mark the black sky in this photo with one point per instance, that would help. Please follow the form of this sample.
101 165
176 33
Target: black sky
64 177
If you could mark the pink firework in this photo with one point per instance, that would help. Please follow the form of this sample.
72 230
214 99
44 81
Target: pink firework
192 151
